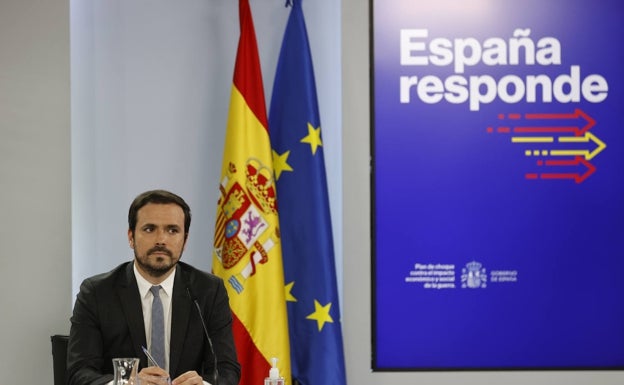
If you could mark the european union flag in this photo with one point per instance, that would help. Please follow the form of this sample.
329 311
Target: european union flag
317 356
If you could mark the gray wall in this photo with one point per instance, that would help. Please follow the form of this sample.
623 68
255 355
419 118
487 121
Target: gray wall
35 238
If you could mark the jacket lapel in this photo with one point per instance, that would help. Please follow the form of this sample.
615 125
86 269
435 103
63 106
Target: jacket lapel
181 307
129 297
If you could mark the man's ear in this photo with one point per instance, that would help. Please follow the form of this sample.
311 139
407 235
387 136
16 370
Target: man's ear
131 238
185 239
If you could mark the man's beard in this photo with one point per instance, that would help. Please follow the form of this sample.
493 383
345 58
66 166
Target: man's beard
160 270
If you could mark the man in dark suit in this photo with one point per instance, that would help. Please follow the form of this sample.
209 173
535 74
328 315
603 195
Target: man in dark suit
112 315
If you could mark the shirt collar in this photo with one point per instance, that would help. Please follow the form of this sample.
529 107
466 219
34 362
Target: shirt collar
144 285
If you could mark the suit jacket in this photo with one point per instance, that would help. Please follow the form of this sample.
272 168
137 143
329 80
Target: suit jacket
107 323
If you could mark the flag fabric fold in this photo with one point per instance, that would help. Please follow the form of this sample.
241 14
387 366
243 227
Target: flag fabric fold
247 246
317 356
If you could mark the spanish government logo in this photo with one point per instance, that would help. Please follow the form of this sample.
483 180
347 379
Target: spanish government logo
474 276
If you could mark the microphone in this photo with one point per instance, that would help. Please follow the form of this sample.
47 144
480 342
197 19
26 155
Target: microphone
215 374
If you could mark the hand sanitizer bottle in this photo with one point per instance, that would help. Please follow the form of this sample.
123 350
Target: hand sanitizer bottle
274 376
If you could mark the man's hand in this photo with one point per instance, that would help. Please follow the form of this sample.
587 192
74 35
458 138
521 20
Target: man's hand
153 375
188 378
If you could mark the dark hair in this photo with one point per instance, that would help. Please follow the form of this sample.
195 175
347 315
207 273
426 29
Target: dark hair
159 197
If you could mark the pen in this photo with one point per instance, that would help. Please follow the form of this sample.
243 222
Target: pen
149 357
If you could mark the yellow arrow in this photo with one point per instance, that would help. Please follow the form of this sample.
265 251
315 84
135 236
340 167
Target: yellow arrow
588 155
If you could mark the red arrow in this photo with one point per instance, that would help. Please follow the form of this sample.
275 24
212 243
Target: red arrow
578 114
578 178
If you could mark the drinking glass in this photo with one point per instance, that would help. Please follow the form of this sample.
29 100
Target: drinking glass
125 371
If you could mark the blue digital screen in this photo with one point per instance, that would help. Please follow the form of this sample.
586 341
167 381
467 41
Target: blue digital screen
498 184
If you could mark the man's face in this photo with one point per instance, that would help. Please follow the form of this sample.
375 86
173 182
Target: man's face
158 239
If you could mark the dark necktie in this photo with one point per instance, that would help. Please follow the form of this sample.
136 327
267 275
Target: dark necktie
158 329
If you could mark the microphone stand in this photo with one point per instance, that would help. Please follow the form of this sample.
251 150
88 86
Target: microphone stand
203 322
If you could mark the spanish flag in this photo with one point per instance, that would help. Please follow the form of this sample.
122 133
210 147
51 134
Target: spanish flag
247 247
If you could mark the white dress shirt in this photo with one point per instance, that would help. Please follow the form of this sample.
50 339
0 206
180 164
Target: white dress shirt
146 303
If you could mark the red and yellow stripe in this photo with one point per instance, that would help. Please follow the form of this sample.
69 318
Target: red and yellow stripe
249 258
